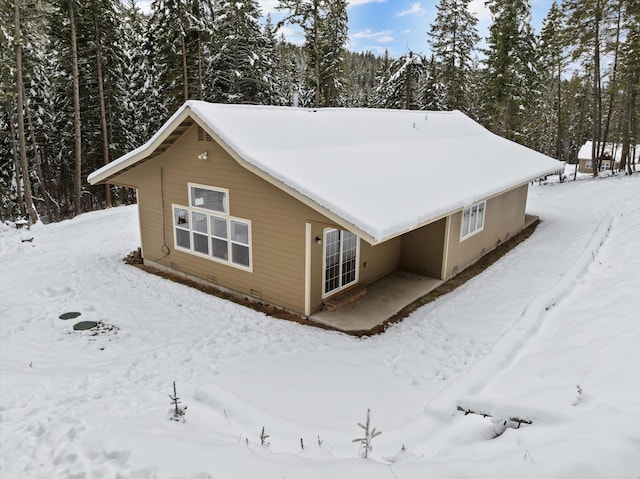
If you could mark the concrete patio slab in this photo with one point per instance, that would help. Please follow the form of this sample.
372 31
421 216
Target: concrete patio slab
384 299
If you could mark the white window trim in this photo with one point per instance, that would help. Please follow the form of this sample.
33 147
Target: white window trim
209 213
477 230
211 188
324 265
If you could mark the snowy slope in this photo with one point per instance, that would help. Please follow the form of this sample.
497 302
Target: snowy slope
558 312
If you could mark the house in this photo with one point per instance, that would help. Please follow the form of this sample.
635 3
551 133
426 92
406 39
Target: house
292 206
610 158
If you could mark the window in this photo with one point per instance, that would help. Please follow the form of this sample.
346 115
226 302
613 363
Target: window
208 198
472 220
206 229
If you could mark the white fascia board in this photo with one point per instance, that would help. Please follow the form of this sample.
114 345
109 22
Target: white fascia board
143 151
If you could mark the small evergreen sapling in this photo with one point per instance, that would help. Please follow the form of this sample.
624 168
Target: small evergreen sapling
369 434
178 411
263 438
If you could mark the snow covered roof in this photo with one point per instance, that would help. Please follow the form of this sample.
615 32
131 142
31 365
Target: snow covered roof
613 149
378 172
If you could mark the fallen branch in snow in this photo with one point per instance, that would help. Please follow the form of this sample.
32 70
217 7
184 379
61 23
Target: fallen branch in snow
517 420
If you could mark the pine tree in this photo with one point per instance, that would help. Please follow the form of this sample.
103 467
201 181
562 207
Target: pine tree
510 75
434 91
333 40
324 23
453 38
140 112
240 68
585 20
22 142
630 84
552 60
381 92
178 31
400 84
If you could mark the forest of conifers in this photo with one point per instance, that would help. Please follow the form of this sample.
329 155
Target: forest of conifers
83 82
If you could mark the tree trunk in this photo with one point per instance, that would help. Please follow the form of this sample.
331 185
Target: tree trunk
613 86
597 96
76 111
183 46
44 184
103 110
408 86
185 76
16 162
22 143
316 66
200 93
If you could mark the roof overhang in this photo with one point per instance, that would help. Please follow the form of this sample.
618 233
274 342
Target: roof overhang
187 116
182 120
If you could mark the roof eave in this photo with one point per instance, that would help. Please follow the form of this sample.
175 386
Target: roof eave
104 174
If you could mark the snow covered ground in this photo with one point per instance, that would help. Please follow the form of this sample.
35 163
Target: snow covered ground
549 333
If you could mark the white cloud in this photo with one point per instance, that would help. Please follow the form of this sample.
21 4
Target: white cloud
292 35
376 49
144 5
268 6
480 9
383 36
415 9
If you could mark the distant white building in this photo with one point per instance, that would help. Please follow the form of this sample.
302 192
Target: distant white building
610 158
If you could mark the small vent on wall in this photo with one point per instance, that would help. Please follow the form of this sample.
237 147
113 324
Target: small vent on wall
256 293
203 135
212 279
175 266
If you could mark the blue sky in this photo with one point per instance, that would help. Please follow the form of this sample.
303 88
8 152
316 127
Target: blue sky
396 25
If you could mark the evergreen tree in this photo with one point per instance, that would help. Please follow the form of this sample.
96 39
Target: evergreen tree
381 92
324 23
585 19
453 38
434 92
510 75
140 112
333 39
178 31
400 84
288 74
630 84
241 68
552 61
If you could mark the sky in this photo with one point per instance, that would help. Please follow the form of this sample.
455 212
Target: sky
394 25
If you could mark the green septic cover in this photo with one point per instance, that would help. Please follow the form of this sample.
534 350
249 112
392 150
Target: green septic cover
82 325
69 315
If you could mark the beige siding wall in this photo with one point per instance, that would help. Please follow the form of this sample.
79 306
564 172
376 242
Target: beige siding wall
582 168
422 249
504 217
278 225
375 261
278 222
380 260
